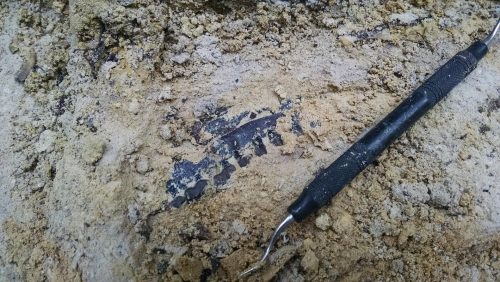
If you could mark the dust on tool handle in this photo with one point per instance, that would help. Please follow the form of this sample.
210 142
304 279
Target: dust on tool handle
362 153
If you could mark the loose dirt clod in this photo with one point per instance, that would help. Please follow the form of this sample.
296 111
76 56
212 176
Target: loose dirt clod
189 269
309 262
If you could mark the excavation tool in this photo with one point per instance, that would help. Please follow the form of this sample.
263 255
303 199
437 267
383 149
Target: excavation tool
362 153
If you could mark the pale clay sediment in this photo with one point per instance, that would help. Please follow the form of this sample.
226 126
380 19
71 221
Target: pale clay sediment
113 90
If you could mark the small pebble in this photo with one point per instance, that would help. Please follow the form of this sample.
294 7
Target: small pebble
347 41
165 132
323 222
280 91
142 164
93 149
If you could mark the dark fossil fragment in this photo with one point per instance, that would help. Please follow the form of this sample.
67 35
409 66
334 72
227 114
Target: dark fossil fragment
232 144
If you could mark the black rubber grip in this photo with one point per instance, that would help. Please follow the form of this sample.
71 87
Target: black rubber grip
362 153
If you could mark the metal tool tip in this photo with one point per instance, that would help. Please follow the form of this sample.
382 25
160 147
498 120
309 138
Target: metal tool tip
252 269
281 227
491 36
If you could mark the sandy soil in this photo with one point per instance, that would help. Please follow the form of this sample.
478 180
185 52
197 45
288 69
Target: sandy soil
163 140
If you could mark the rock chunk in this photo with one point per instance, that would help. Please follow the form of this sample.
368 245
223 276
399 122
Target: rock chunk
93 149
189 269
310 262
323 221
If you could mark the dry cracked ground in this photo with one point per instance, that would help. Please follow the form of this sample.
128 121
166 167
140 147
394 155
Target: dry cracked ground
163 140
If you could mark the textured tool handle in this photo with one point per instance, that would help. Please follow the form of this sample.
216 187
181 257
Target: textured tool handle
362 153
